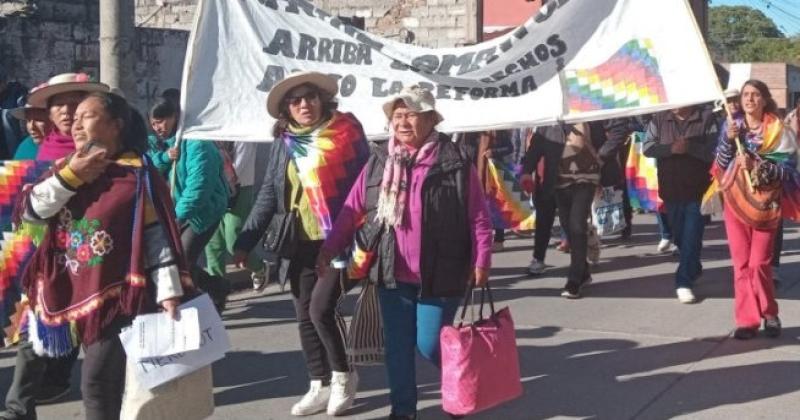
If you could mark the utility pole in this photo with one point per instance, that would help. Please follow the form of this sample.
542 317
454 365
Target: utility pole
116 44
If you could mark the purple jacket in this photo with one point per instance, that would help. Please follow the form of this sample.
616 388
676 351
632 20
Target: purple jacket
408 237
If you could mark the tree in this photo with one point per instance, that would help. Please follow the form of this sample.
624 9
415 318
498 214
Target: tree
741 33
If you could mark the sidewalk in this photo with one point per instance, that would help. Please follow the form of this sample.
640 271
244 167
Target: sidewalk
626 350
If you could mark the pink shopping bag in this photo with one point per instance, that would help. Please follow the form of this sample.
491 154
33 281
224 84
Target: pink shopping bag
480 366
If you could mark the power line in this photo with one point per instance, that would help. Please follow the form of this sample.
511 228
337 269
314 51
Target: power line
777 13
795 20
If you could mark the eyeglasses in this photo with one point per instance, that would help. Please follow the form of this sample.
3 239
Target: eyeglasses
308 96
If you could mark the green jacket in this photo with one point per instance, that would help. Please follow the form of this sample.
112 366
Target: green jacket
198 185
26 150
157 151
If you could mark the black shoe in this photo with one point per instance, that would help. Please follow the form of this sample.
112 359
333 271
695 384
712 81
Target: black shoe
626 233
50 393
772 327
745 333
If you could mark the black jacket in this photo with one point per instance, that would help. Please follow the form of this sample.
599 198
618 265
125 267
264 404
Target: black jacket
446 249
683 177
609 137
271 199
470 143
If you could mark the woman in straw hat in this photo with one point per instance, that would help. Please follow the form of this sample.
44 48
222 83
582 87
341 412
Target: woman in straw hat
60 96
317 155
112 249
422 264
38 124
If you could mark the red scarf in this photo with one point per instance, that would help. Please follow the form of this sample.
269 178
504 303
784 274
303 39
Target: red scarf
88 275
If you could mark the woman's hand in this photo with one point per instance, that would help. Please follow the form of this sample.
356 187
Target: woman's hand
173 153
744 161
527 184
239 258
679 146
487 154
481 277
171 306
324 259
733 131
88 166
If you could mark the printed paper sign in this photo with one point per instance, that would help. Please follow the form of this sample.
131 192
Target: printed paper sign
158 334
154 371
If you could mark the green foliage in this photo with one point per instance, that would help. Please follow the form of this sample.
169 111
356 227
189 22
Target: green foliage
744 34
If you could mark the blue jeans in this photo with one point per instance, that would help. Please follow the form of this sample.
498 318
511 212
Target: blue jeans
687 227
408 322
664 228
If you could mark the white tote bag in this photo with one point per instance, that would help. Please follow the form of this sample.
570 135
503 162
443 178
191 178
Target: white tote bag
608 214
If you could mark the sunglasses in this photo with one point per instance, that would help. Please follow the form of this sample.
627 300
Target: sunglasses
308 96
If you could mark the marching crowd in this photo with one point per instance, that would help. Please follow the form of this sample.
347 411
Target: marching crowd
129 214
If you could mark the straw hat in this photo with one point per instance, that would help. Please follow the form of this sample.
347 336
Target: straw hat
322 81
416 98
63 83
29 112
731 93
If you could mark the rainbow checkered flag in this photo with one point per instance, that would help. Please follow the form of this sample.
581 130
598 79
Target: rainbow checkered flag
13 175
17 246
642 177
507 202
630 78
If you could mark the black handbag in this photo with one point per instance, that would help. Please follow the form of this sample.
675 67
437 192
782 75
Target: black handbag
282 233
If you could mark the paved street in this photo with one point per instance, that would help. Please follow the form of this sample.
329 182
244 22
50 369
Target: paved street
626 350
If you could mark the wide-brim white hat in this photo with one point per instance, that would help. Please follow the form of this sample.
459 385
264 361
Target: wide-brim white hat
416 98
63 83
323 82
731 93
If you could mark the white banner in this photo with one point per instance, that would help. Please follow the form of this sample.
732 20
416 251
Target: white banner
576 60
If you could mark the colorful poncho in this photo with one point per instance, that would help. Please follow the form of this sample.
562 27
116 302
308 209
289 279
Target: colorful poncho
88 273
328 159
775 144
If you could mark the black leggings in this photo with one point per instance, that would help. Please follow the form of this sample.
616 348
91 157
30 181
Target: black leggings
574 206
315 299
103 378
193 245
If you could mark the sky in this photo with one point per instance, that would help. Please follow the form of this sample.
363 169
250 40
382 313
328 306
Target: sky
785 13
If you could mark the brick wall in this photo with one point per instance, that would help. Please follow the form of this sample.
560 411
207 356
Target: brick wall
432 23
169 14
41 38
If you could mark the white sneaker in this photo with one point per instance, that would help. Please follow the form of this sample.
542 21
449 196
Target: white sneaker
259 279
343 392
537 267
498 247
315 400
663 245
685 295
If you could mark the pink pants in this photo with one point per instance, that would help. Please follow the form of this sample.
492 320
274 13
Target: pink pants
751 252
